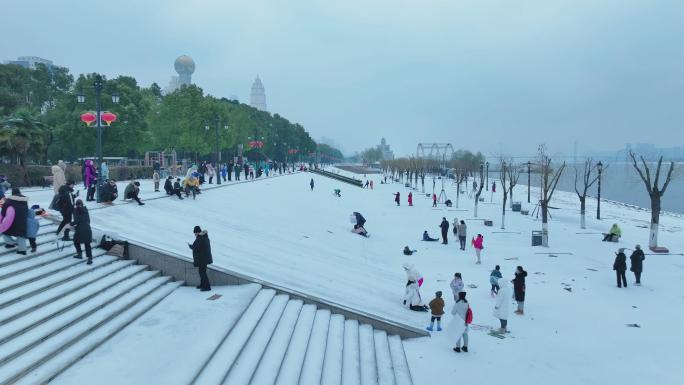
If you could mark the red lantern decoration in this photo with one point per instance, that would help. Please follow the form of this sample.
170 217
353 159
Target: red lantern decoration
108 117
88 118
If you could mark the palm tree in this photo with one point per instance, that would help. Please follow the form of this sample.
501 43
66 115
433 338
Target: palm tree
22 135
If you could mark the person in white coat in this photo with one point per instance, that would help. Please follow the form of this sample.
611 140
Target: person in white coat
459 312
58 177
412 297
456 285
503 303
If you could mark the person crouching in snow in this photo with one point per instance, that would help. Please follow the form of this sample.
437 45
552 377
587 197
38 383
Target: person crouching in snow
132 191
412 297
437 309
460 311
503 303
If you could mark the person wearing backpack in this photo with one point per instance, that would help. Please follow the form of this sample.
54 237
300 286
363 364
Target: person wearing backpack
65 205
464 312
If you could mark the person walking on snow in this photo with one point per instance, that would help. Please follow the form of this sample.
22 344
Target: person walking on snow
620 267
519 289
493 187
494 279
445 230
456 285
434 200
65 205
637 262
462 232
502 304
478 245
155 179
201 256
460 311
366 185
311 184
371 184
437 310
410 199
82 232
396 198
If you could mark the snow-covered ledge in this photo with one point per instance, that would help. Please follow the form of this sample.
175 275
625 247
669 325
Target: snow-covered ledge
180 268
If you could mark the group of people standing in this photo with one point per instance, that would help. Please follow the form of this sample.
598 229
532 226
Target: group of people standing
637 266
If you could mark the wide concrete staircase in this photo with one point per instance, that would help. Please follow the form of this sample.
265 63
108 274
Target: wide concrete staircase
282 341
56 311
54 308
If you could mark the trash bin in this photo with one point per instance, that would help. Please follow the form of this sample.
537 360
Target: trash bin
516 206
488 222
536 238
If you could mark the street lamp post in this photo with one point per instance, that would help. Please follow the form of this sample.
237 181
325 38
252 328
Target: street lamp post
528 180
98 86
599 167
487 164
217 165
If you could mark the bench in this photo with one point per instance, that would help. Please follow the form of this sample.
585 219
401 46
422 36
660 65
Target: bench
612 238
47 181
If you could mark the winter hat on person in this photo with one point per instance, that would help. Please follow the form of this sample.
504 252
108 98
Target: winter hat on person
136 183
35 207
197 230
621 250
70 182
438 294
16 191
638 247
79 203
462 295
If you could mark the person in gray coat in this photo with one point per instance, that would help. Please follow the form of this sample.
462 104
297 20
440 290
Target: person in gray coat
462 232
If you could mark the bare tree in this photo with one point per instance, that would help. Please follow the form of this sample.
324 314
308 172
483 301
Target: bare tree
588 180
654 191
479 190
460 177
549 181
503 174
513 176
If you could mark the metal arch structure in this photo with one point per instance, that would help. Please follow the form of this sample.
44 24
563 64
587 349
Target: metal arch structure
437 150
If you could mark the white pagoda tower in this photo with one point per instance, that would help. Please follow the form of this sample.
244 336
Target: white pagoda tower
258 95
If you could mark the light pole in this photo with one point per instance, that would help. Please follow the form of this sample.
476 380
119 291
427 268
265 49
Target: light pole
487 164
599 167
98 85
528 180
217 165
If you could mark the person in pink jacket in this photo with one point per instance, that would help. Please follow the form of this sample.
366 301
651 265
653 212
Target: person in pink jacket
478 245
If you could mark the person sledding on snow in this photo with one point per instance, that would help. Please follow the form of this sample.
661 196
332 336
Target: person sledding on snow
412 297
358 221
614 234
437 310
408 251
427 238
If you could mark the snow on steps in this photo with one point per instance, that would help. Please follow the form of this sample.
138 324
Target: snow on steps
54 308
280 341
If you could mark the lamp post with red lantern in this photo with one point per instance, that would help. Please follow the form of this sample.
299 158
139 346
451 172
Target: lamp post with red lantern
98 117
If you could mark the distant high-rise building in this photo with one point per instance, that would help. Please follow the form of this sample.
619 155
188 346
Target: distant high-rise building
31 62
387 153
258 95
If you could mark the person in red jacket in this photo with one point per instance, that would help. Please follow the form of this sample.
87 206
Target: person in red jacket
410 199
478 245
434 200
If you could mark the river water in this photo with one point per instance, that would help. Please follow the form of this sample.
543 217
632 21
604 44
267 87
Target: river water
620 182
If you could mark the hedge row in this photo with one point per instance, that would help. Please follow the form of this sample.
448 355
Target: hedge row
34 174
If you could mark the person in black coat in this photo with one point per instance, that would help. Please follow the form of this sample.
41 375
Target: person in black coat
82 233
109 192
360 220
201 256
18 228
445 230
620 267
168 185
637 259
65 205
519 289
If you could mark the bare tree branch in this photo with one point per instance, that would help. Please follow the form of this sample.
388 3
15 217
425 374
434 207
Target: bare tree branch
641 174
668 178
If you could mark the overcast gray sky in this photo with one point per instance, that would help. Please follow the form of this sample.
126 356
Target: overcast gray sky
496 76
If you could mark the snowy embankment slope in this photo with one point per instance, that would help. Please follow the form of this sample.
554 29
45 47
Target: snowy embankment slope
280 231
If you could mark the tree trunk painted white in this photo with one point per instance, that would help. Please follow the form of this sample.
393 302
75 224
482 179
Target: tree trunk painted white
503 220
475 214
545 234
653 239
583 221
